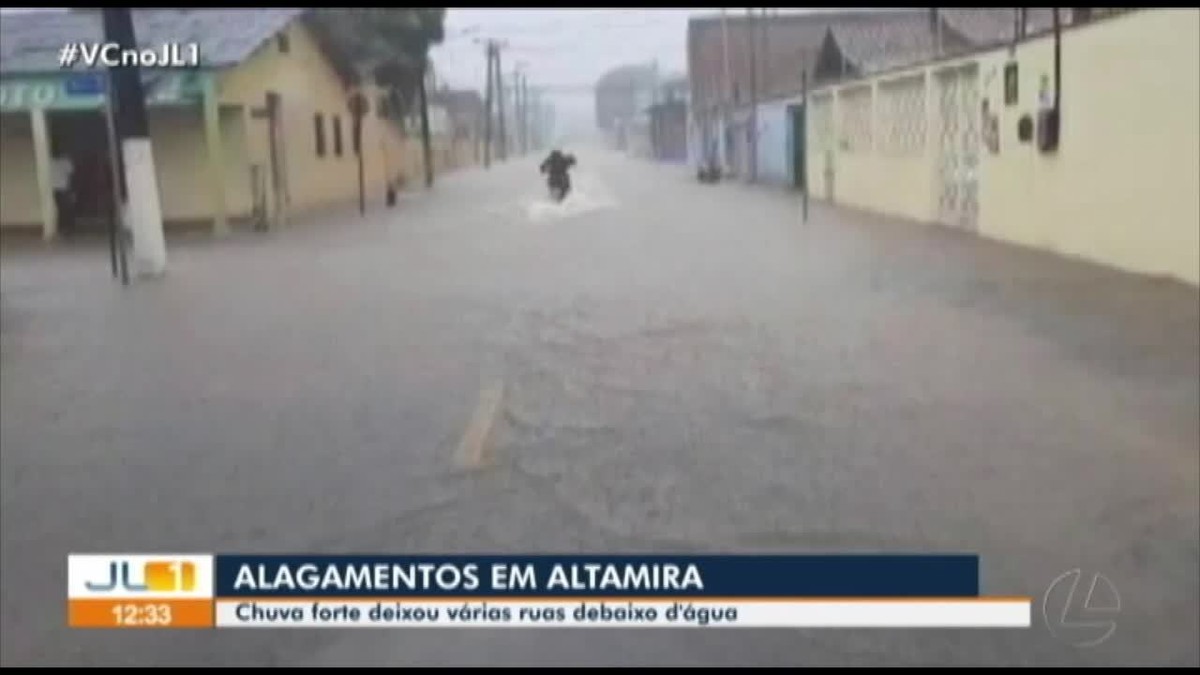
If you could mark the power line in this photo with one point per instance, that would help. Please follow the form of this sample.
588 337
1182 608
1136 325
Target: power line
578 31
447 53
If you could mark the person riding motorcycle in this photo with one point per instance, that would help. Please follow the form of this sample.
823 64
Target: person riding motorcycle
556 166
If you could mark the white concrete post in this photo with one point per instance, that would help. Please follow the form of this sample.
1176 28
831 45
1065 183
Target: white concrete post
41 161
144 209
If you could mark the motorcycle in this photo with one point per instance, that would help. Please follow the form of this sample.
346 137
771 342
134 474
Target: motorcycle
560 186
709 172
556 167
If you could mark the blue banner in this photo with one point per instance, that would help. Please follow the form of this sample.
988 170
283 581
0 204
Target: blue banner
735 576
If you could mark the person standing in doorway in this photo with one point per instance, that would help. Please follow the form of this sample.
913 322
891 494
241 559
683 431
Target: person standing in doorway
62 170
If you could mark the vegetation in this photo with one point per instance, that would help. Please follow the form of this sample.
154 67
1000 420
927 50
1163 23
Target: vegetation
390 46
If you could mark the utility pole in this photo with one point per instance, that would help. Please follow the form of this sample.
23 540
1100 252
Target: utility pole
358 108
535 131
426 145
803 131
138 180
525 113
766 54
541 122
116 229
487 106
753 130
503 154
724 125
516 112
543 128
518 137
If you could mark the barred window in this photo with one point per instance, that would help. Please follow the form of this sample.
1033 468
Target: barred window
902 116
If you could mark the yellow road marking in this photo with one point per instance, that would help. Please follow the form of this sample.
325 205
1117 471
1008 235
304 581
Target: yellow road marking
473 449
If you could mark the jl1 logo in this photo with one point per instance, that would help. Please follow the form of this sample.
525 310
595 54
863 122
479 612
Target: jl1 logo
155 576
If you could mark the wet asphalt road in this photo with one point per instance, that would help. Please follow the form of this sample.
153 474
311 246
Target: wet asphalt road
684 368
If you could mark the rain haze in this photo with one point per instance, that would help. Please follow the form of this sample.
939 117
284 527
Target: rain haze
870 334
563 50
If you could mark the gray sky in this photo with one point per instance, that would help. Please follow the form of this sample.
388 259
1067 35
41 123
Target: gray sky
563 47
568 47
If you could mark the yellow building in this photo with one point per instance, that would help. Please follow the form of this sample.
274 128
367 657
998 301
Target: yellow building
261 131
956 142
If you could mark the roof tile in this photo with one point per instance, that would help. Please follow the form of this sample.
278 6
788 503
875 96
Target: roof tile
30 41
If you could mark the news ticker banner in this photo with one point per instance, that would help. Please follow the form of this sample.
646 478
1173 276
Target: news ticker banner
385 591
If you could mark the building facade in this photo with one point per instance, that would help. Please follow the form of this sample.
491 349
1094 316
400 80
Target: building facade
741 65
464 125
669 121
623 97
261 131
961 142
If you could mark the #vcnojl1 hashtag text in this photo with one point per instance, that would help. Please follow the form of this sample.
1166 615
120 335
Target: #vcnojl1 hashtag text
111 55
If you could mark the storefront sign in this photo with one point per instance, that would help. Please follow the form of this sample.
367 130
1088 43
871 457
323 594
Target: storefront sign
85 84
86 91
41 93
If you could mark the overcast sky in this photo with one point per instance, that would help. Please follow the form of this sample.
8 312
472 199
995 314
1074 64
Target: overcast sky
567 48
563 48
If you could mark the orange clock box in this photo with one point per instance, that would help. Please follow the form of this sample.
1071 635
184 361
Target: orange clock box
140 613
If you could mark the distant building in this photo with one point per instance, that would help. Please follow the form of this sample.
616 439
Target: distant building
737 63
463 110
623 97
967 141
721 50
262 130
668 121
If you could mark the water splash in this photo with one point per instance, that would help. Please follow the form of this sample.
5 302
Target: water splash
587 197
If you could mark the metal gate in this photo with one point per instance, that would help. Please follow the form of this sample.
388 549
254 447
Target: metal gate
958 146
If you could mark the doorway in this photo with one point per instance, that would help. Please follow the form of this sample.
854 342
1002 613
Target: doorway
81 172
270 197
958 147
799 147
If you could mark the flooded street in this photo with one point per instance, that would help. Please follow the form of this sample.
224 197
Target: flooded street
654 365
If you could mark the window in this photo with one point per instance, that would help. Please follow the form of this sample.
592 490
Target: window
319 121
282 41
1010 84
337 135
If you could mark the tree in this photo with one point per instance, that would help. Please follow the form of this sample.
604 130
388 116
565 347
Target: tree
392 46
